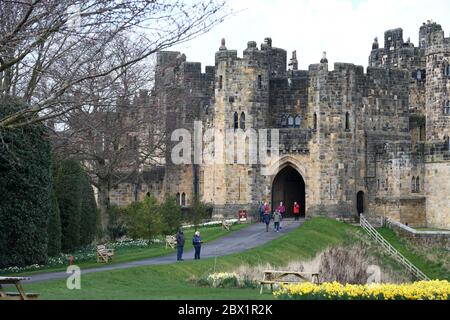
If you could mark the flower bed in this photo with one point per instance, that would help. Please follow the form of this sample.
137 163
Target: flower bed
226 280
211 224
423 290
87 254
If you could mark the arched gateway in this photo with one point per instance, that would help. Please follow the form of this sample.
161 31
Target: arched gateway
289 187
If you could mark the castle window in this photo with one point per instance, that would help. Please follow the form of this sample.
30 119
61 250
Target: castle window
315 121
231 99
290 121
447 108
447 70
419 75
178 198
298 121
447 143
183 199
236 120
242 121
418 184
347 121
284 122
206 110
413 184
259 82
220 82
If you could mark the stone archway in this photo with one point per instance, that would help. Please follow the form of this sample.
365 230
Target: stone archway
289 187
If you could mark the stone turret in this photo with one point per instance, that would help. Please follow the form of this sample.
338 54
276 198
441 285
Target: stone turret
222 45
293 63
375 44
324 58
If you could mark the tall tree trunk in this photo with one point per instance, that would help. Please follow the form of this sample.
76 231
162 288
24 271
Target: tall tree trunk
103 203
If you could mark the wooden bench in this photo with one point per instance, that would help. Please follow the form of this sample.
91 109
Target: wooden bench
20 294
272 277
171 241
104 255
226 225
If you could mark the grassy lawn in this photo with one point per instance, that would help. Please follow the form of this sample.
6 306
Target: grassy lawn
433 269
157 250
172 281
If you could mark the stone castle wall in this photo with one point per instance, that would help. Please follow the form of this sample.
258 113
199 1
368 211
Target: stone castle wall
346 131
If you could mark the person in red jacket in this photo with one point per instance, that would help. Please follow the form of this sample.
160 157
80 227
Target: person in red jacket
282 210
296 211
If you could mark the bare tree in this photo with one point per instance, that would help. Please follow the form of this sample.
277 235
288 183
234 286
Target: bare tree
51 49
116 128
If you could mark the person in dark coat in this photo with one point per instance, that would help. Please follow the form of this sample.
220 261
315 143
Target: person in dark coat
197 243
180 244
267 217
262 209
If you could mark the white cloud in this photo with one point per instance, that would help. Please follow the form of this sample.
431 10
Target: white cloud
343 28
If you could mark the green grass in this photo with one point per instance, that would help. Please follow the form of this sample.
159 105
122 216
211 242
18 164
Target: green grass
172 281
135 254
433 269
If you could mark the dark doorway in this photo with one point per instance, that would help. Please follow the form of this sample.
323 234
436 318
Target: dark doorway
360 202
289 187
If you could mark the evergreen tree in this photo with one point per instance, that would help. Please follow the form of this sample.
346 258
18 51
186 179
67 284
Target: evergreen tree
88 221
25 190
198 211
144 219
68 184
171 215
54 228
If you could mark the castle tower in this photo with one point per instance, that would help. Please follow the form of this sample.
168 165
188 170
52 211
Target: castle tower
437 83
241 104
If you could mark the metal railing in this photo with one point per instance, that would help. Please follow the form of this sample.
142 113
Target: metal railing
375 235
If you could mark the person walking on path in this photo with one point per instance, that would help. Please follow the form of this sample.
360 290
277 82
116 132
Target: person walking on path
282 210
266 208
296 211
180 244
267 217
276 221
262 210
197 243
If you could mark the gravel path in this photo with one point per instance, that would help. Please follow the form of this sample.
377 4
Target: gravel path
239 241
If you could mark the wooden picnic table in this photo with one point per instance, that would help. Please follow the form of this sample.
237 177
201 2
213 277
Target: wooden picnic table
278 277
20 295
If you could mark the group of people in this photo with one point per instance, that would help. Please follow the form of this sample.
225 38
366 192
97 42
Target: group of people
196 242
266 216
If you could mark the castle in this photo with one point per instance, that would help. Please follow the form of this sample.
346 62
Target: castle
351 142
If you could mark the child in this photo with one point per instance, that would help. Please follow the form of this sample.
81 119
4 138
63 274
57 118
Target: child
276 220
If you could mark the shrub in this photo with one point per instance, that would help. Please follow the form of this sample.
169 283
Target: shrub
144 219
171 215
118 218
198 211
25 190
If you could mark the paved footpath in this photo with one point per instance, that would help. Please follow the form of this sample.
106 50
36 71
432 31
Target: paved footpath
239 241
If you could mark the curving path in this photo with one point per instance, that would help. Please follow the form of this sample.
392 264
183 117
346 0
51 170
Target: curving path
239 241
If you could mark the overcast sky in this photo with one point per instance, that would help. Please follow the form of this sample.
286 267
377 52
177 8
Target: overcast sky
343 28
